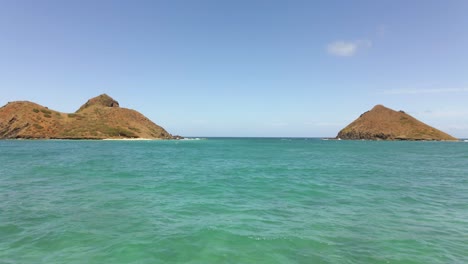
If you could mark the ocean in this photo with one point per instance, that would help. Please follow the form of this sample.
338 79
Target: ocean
233 200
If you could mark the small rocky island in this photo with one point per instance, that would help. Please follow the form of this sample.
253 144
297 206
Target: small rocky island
382 123
99 118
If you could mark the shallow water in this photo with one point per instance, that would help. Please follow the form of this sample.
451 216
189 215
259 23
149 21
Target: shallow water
233 201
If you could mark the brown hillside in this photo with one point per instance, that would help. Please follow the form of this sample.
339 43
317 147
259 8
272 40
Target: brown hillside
382 123
99 118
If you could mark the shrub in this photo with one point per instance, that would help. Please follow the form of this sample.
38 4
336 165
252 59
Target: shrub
135 129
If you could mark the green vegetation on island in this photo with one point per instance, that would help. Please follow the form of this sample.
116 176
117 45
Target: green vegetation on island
99 118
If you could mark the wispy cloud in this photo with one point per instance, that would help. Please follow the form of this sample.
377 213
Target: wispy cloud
458 127
425 91
199 122
347 48
444 113
381 31
324 124
278 124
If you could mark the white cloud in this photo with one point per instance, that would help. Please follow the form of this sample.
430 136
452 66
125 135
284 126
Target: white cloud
279 124
381 31
425 91
347 48
447 114
324 124
458 127
199 122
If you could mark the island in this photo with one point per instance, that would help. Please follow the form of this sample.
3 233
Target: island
382 123
99 118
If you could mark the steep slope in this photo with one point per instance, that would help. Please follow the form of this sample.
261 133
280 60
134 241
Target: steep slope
99 118
382 123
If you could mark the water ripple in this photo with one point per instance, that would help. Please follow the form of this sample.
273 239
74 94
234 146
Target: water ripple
233 201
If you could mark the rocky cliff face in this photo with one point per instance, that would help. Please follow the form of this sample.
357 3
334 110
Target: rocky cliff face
382 123
99 118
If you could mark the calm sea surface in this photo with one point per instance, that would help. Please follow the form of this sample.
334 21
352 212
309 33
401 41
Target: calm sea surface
233 201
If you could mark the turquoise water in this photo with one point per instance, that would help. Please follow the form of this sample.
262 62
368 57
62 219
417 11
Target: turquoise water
233 201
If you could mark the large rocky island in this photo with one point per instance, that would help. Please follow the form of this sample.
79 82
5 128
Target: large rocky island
382 123
99 118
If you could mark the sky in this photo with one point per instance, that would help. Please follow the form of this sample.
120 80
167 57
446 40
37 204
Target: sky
242 68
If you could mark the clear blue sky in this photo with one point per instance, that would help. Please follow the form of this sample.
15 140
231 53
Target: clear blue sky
242 68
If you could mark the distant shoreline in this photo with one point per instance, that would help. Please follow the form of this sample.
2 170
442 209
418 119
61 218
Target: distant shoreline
130 139
200 138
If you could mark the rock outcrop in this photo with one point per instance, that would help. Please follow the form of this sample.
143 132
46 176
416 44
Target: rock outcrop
101 100
99 118
382 123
